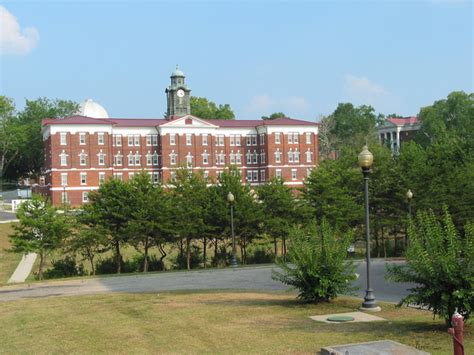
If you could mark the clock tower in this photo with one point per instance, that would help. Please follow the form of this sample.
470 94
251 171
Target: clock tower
178 95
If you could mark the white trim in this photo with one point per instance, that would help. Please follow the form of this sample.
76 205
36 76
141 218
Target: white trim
75 188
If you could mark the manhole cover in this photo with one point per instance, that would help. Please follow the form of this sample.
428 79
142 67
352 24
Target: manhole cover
340 319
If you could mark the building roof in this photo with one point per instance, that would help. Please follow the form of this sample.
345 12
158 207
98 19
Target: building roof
404 121
90 108
153 122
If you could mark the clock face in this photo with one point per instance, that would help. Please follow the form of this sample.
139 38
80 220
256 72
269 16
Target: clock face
180 93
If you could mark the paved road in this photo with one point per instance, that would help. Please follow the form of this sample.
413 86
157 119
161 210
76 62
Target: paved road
247 278
7 216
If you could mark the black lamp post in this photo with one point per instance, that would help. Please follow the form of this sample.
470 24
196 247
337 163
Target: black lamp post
230 199
365 162
409 196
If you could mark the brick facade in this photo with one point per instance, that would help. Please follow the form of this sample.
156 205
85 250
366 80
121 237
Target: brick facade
83 151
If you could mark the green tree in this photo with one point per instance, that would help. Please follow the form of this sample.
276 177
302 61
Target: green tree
41 229
203 108
440 261
110 210
280 210
317 265
274 116
327 140
150 222
30 160
88 242
190 201
12 135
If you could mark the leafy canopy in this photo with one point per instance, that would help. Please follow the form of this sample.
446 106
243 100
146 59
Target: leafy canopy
203 108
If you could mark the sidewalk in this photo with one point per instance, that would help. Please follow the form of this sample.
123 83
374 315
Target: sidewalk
23 269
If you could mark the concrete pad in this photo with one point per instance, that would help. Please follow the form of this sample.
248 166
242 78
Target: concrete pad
382 347
23 269
358 317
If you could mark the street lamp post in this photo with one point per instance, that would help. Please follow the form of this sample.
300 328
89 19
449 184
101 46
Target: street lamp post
365 162
230 199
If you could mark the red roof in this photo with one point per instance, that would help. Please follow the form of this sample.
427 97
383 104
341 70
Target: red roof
153 122
404 121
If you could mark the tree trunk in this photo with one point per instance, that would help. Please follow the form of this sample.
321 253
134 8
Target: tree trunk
145 254
204 251
188 253
244 251
118 257
283 247
41 265
384 244
216 252
241 251
163 255
91 260
378 243
181 250
275 245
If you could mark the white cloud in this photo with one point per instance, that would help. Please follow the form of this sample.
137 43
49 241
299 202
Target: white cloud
13 39
265 104
363 90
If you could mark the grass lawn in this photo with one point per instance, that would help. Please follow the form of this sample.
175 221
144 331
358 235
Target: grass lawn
209 322
8 261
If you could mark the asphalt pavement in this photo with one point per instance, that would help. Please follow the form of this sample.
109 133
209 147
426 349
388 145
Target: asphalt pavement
244 278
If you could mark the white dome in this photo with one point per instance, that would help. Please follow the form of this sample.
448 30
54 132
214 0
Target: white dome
90 108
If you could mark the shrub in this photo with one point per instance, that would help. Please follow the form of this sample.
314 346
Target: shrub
222 258
260 255
180 262
154 264
66 267
317 265
441 262
109 266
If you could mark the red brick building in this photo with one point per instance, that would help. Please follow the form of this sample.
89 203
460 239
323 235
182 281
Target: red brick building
82 151
396 130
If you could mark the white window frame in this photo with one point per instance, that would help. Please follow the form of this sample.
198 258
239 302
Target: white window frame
290 138
278 173
149 159
255 175
85 196
262 175
172 138
63 158
204 139
131 159
249 158
118 159
118 176
249 175
277 138
278 157
101 159
296 138
262 138
83 178
290 156
137 158
101 177
117 140
63 138
237 140
173 157
130 140
254 139
294 175
63 179
82 138
101 138
136 140
189 139
155 159
309 156
82 159
255 157
232 140
296 156
308 137
220 140
205 158
238 158
189 160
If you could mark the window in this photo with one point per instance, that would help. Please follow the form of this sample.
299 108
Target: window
255 157
63 179
255 175
206 174
148 158
296 138
277 138
308 172
189 140
278 156
85 196
131 159
101 177
118 159
63 158
290 156
232 157
308 138
172 139
155 158
137 159
296 156
118 176
83 178
64 197
100 138
82 158
155 177
220 158
237 140
220 140
254 139
101 158
136 139
173 175
219 174
262 156
249 158
173 158
293 174
232 140
309 156
249 175
130 175
117 140
278 173
262 175
62 138
204 139
238 158
130 140
151 140
205 158
189 160
82 138
262 138
290 138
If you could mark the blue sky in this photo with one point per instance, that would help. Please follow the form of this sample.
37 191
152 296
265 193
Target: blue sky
302 58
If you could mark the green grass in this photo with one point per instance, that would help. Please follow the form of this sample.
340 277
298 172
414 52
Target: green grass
8 261
209 322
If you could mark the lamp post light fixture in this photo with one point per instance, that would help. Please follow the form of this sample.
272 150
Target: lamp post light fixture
409 197
365 162
231 199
